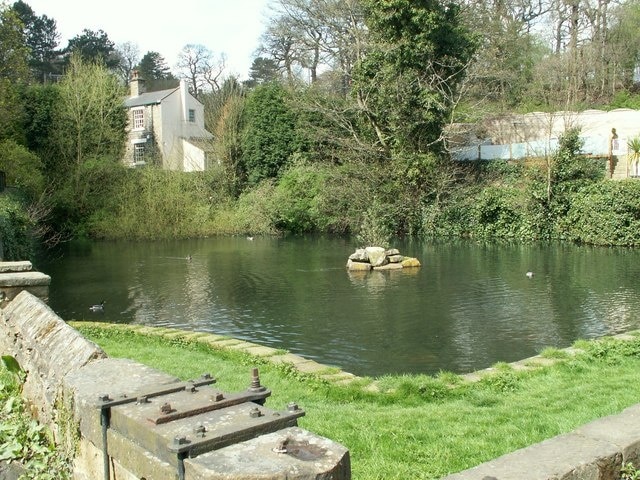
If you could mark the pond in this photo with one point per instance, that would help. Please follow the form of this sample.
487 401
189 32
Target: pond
469 306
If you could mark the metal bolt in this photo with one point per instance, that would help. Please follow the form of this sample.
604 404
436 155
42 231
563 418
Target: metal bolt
177 441
292 407
104 397
255 412
255 382
143 399
192 389
205 376
166 408
200 430
218 397
282 446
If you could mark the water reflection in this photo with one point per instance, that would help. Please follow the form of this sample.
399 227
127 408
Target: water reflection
469 305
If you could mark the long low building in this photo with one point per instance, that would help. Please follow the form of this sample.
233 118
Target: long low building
514 137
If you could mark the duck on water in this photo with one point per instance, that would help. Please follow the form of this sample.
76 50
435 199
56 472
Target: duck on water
97 308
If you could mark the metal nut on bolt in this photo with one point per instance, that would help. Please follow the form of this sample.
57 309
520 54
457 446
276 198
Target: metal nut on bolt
200 430
166 408
292 407
255 412
177 441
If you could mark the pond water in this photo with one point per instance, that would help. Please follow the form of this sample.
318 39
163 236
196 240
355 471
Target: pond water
469 306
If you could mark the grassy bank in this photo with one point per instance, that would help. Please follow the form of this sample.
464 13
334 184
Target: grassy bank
417 427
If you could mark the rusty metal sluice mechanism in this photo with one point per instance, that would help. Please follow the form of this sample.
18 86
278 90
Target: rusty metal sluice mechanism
186 419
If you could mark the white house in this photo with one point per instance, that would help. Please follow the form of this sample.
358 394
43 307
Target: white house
166 126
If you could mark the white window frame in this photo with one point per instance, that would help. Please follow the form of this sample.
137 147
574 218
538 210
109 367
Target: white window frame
139 152
138 118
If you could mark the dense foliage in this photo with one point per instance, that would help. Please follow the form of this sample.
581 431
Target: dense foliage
342 127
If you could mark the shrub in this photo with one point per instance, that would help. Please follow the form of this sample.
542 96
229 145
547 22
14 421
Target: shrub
15 231
23 169
606 213
296 198
154 203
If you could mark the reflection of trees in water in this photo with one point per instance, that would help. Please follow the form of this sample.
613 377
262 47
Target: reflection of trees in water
469 305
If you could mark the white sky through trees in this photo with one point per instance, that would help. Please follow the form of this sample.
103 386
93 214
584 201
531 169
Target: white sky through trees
232 27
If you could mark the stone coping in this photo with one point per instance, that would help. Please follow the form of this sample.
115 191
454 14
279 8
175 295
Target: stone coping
21 266
273 355
303 365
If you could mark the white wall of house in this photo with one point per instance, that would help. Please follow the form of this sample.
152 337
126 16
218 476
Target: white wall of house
194 157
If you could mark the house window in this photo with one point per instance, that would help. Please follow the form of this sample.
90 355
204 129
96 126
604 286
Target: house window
138 119
192 115
138 153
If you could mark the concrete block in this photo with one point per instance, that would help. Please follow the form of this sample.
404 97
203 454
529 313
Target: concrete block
116 377
291 453
21 266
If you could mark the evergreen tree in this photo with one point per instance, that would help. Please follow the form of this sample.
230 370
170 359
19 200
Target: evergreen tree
263 70
94 47
408 80
269 137
14 72
156 73
41 37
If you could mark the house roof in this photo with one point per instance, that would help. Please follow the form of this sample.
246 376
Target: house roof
203 143
150 98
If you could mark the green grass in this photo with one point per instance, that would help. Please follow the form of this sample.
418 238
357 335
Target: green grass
417 427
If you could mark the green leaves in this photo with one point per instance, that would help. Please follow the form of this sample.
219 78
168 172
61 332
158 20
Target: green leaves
407 82
269 138
11 364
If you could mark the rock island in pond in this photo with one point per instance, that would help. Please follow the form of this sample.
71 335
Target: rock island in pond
378 258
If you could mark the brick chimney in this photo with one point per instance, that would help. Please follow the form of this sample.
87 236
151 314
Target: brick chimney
136 84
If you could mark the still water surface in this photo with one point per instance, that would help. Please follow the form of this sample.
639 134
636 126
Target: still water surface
470 304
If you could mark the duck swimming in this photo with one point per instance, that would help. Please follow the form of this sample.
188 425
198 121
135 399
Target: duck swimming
97 308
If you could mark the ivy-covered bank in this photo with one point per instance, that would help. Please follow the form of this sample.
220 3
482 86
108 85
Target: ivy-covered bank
565 197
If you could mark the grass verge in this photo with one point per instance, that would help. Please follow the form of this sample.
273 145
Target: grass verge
418 427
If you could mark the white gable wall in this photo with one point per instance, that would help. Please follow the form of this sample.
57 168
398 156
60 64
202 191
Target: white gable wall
171 132
194 157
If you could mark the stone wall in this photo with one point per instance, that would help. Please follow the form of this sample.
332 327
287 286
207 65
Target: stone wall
70 380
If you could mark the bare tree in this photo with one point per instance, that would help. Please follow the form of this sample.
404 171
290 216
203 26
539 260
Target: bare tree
200 67
129 55
315 35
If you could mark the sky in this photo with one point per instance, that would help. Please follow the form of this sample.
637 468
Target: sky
232 27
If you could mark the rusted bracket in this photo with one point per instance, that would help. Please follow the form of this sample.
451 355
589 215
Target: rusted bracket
183 420
105 403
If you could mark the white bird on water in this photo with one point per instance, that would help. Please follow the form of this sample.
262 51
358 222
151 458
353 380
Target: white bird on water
97 308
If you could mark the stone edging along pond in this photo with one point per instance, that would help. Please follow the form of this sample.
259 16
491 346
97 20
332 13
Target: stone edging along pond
305 365
595 451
